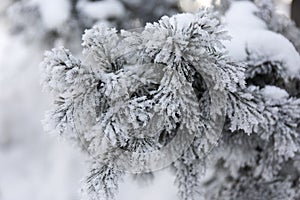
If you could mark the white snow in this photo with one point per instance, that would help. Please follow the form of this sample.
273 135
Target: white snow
273 92
102 9
248 31
162 188
54 12
181 21
240 16
276 48
33 165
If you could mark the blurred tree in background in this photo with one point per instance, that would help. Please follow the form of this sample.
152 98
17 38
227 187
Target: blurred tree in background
63 21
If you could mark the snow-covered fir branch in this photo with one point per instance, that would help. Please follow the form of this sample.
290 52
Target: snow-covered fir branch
262 165
135 92
150 84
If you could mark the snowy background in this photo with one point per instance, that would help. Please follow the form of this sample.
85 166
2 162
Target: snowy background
38 166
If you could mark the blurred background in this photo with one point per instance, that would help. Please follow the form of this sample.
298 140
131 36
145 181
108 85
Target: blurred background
35 165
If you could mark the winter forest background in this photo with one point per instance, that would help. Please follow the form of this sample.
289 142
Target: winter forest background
38 165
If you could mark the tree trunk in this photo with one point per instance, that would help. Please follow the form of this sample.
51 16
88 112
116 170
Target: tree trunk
296 11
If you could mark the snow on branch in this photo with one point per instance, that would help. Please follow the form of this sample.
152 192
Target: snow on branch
143 93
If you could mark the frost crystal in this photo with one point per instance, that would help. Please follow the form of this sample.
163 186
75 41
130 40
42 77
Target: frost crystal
140 92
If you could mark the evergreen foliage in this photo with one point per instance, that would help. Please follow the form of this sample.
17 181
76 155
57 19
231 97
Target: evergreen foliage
137 92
